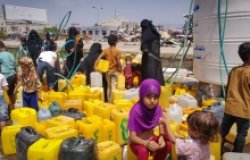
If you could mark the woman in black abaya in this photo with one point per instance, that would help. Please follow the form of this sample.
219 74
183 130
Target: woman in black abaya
150 46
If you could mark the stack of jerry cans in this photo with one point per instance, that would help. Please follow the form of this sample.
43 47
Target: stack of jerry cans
104 110
24 116
8 137
120 117
109 150
60 132
90 127
44 149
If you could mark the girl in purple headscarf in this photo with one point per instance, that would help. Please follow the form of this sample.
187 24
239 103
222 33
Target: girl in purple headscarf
143 118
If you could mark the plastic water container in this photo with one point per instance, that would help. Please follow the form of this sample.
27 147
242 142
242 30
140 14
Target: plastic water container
206 57
109 150
120 82
175 113
103 65
120 117
26 137
131 94
44 149
187 100
104 110
60 132
78 79
95 79
78 148
24 116
90 128
43 114
109 131
8 137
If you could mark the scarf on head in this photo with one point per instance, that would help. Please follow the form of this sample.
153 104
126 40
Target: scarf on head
141 118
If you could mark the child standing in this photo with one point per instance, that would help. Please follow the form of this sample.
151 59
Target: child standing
30 82
203 127
237 106
113 55
143 118
127 72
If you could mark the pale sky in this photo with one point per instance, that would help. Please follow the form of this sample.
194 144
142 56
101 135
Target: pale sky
165 12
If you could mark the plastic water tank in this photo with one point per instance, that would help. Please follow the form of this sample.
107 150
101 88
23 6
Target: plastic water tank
206 58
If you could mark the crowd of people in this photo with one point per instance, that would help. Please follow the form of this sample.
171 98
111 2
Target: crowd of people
37 56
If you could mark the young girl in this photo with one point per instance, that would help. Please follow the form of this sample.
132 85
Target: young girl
143 118
203 127
30 82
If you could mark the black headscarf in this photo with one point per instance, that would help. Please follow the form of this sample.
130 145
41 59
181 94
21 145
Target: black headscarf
34 45
87 65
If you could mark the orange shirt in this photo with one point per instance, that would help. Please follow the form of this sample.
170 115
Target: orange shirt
238 92
113 55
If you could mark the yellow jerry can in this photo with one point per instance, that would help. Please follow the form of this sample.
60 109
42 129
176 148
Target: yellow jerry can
60 120
60 132
118 94
88 107
24 116
123 103
103 65
120 117
166 92
78 79
59 97
77 104
109 131
90 128
120 82
44 149
109 150
104 110
41 127
95 93
64 86
8 137
77 95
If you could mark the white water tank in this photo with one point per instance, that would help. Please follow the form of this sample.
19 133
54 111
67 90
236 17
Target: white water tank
206 57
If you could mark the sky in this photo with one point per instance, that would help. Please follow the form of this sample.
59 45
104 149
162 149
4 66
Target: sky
165 12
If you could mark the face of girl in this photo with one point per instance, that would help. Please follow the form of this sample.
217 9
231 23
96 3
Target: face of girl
151 100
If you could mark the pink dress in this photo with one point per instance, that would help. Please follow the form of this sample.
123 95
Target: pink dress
192 149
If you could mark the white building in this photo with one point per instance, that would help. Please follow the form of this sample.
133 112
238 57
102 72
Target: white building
18 20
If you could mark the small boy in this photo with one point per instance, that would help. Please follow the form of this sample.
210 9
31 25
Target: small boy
237 105
113 55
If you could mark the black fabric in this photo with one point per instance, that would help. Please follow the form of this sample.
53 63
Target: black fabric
34 45
150 46
87 66
74 113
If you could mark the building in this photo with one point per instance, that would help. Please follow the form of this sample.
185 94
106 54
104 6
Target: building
19 20
116 25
